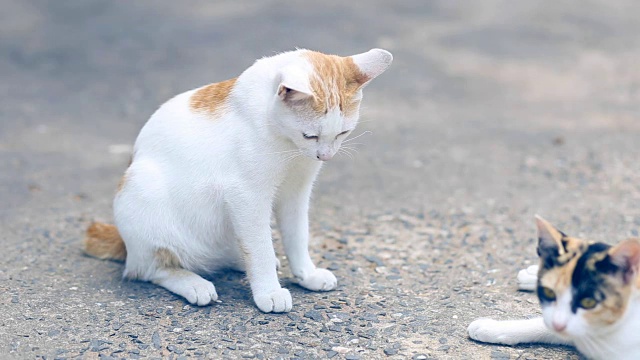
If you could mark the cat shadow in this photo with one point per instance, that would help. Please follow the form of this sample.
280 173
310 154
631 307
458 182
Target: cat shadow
232 287
532 346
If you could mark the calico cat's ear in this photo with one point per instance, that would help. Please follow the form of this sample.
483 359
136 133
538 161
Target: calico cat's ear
626 256
371 64
291 88
549 241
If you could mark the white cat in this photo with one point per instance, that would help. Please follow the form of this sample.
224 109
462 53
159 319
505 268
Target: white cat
590 298
211 164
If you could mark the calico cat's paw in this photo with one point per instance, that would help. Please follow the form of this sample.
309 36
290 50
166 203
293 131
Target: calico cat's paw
490 331
319 280
528 278
277 301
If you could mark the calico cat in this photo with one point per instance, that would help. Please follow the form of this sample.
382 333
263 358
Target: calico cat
211 164
590 298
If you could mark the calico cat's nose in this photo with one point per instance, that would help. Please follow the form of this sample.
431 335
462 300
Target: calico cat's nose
559 326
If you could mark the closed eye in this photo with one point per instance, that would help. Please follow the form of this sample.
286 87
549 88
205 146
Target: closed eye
342 133
310 137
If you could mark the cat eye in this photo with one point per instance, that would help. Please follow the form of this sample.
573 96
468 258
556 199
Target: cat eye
310 137
588 303
342 133
548 294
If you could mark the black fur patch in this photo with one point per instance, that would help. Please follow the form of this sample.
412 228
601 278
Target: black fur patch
588 278
550 255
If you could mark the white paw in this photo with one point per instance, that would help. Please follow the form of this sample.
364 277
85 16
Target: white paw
528 278
319 280
198 291
277 301
489 331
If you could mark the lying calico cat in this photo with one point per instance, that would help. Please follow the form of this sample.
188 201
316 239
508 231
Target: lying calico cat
590 298
211 165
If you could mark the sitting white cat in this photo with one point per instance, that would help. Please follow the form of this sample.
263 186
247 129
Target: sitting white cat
590 298
211 164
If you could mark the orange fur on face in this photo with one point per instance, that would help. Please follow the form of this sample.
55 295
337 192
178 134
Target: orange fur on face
211 98
558 279
335 82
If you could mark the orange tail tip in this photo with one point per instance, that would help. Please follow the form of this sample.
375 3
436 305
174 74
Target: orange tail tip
104 242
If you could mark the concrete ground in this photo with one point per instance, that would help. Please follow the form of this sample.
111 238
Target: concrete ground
492 112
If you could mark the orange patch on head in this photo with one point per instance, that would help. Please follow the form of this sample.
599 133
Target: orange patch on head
335 82
211 98
558 278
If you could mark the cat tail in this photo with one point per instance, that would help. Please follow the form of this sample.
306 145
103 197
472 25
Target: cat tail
104 242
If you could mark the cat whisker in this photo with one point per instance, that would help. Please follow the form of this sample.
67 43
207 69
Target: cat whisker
282 152
350 148
290 157
355 137
343 151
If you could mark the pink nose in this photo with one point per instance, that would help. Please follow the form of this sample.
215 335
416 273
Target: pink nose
559 327
324 156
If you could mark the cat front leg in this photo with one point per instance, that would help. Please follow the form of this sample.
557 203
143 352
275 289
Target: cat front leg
292 213
512 332
250 216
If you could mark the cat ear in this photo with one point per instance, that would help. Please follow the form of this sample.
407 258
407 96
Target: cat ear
626 256
291 87
289 94
549 244
371 64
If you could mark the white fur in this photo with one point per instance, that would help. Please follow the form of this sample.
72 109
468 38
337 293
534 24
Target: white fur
617 341
528 278
204 188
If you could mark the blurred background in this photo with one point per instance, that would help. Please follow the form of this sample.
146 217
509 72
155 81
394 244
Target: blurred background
491 112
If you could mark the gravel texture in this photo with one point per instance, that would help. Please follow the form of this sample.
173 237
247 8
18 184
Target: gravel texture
492 112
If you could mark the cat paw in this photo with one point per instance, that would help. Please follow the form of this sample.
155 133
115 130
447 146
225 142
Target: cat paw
528 278
488 331
200 292
319 280
277 301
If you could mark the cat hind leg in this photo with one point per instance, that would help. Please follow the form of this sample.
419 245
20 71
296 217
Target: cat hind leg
171 276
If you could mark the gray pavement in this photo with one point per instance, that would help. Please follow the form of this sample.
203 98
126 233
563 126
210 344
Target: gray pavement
492 112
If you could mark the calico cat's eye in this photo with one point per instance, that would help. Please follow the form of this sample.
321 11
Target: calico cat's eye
342 133
548 294
588 303
310 137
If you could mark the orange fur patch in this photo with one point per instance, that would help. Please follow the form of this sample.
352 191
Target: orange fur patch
122 182
167 259
103 241
211 98
335 82
558 278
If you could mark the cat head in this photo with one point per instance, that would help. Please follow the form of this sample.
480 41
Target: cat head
318 98
584 287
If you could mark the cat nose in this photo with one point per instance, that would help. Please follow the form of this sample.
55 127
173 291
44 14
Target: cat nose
324 156
559 326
